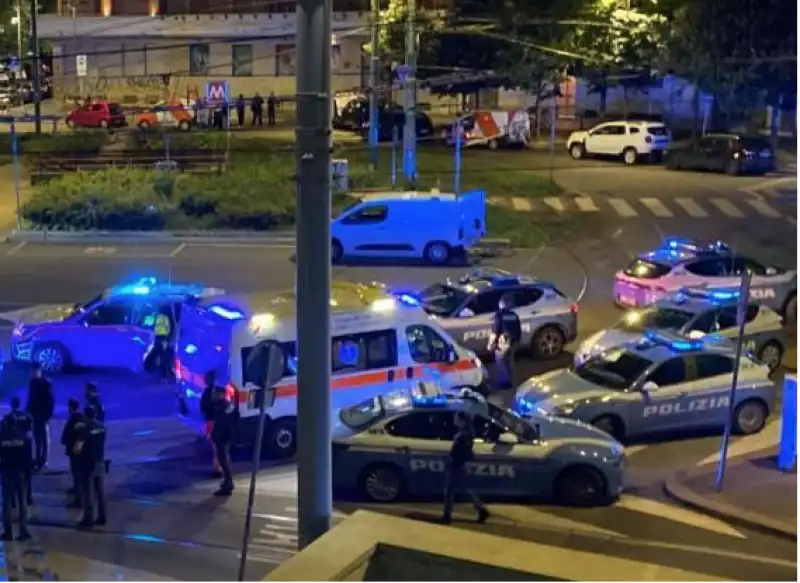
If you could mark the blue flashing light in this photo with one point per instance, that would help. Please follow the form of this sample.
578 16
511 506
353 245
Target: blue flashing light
140 290
408 300
425 401
712 295
224 312
675 343
190 349
524 406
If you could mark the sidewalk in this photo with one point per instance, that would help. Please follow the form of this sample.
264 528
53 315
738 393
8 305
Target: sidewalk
755 493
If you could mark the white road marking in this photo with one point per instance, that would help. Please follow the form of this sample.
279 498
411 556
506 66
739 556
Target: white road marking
521 204
555 203
622 208
656 207
279 244
16 248
763 208
496 201
770 183
585 204
727 208
691 207
177 250
677 514
99 251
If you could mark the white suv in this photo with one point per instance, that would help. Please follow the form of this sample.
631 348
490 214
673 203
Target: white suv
631 140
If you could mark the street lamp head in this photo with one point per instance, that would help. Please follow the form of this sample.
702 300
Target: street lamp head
15 20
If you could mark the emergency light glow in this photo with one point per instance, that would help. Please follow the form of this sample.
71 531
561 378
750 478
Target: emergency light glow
384 305
425 401
226 313
409 300
675 343
260 322
190 349
719 295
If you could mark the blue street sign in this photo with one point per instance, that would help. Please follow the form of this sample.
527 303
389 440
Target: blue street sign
403 71
787 449
14 63
217 91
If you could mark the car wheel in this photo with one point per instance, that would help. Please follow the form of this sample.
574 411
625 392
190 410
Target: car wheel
610 425
337 251
52 358
790 312
547 343
281 439
749 417
577 151
437 252
771 354
733 168
70 123
382 483
103 123
630 156
580 486
493 144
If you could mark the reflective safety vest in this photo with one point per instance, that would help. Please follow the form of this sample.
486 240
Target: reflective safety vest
162 325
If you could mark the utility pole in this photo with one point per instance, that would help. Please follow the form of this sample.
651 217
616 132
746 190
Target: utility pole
409 99
373 83
313 216
74 10
19 31
37 68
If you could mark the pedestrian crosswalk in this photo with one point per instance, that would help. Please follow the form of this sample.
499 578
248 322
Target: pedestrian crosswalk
654 207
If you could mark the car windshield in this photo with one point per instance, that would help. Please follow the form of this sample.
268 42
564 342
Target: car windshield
644 269
662 318
363 414
441 299
348 207
513 422
614 369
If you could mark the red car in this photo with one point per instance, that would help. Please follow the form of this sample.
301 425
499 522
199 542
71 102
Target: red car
101 114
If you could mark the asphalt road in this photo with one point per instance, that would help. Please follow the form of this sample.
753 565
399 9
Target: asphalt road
164 519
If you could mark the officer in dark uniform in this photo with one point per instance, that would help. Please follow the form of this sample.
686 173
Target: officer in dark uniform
93 400
16 464
91 451
456 477
40 406
506 336
226 416
69 438
208 406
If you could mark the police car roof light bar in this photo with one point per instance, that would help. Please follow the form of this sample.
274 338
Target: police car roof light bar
487 273
712 294
673 341
685 244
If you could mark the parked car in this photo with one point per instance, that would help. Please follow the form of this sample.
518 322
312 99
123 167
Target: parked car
174 113
354 116
733 154
100 114
630 140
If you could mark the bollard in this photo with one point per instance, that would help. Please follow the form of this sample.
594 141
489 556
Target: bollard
787 448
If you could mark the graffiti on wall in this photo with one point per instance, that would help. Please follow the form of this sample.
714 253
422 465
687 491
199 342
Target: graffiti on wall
104 85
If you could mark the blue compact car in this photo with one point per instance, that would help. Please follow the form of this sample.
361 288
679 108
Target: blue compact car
396 444
114 329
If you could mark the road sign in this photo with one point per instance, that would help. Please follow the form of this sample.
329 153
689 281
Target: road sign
81 65
217 91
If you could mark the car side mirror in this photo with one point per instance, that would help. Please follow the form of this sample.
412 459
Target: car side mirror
649 387
771 271
696 334
508 438
466 313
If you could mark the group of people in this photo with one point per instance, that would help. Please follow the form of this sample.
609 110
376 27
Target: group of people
221 111
25 448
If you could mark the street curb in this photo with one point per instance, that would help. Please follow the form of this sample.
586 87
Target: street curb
674 489
135 237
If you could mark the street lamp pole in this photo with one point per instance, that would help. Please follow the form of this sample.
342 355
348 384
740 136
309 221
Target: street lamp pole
37 68
409 99
18 18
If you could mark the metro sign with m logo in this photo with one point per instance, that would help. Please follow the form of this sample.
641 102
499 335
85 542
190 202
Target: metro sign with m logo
217 91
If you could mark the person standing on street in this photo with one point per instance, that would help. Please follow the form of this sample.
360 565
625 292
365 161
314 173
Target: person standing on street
207 409
272 102
505 339
40 406
15 464
240 103
461 453
91 451
69 438
93 400
257 107
226 417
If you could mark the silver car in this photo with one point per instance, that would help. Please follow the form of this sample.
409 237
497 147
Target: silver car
397 444
465 309
696 313
663 383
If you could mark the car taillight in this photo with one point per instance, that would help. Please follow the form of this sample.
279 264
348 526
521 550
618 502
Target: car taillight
648 139
574 308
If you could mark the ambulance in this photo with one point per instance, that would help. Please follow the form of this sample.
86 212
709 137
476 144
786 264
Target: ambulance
379 343
492 129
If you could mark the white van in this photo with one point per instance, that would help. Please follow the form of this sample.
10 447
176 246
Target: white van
379 344
434 226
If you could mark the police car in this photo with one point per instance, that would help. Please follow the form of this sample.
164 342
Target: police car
396 444
662 383
696 313
685 263
465 309
114 329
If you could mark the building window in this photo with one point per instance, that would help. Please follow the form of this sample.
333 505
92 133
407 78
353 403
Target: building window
199 56
242 60
285 60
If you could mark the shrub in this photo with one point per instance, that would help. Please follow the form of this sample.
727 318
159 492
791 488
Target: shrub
67 144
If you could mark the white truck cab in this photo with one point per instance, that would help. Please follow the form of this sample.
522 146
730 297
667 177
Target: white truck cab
434 226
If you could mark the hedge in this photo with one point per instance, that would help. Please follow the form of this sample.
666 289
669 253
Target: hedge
257 197
77 142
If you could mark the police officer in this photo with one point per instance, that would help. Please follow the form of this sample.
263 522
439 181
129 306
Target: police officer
40 407
456 477
257 107
15 464
159 359
208 410
93 399
69 437
91 450
505 339
272 102
240 103
226 417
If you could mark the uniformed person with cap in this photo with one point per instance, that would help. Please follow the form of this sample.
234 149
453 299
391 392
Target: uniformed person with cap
505 339
226 416
90 449
16 463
